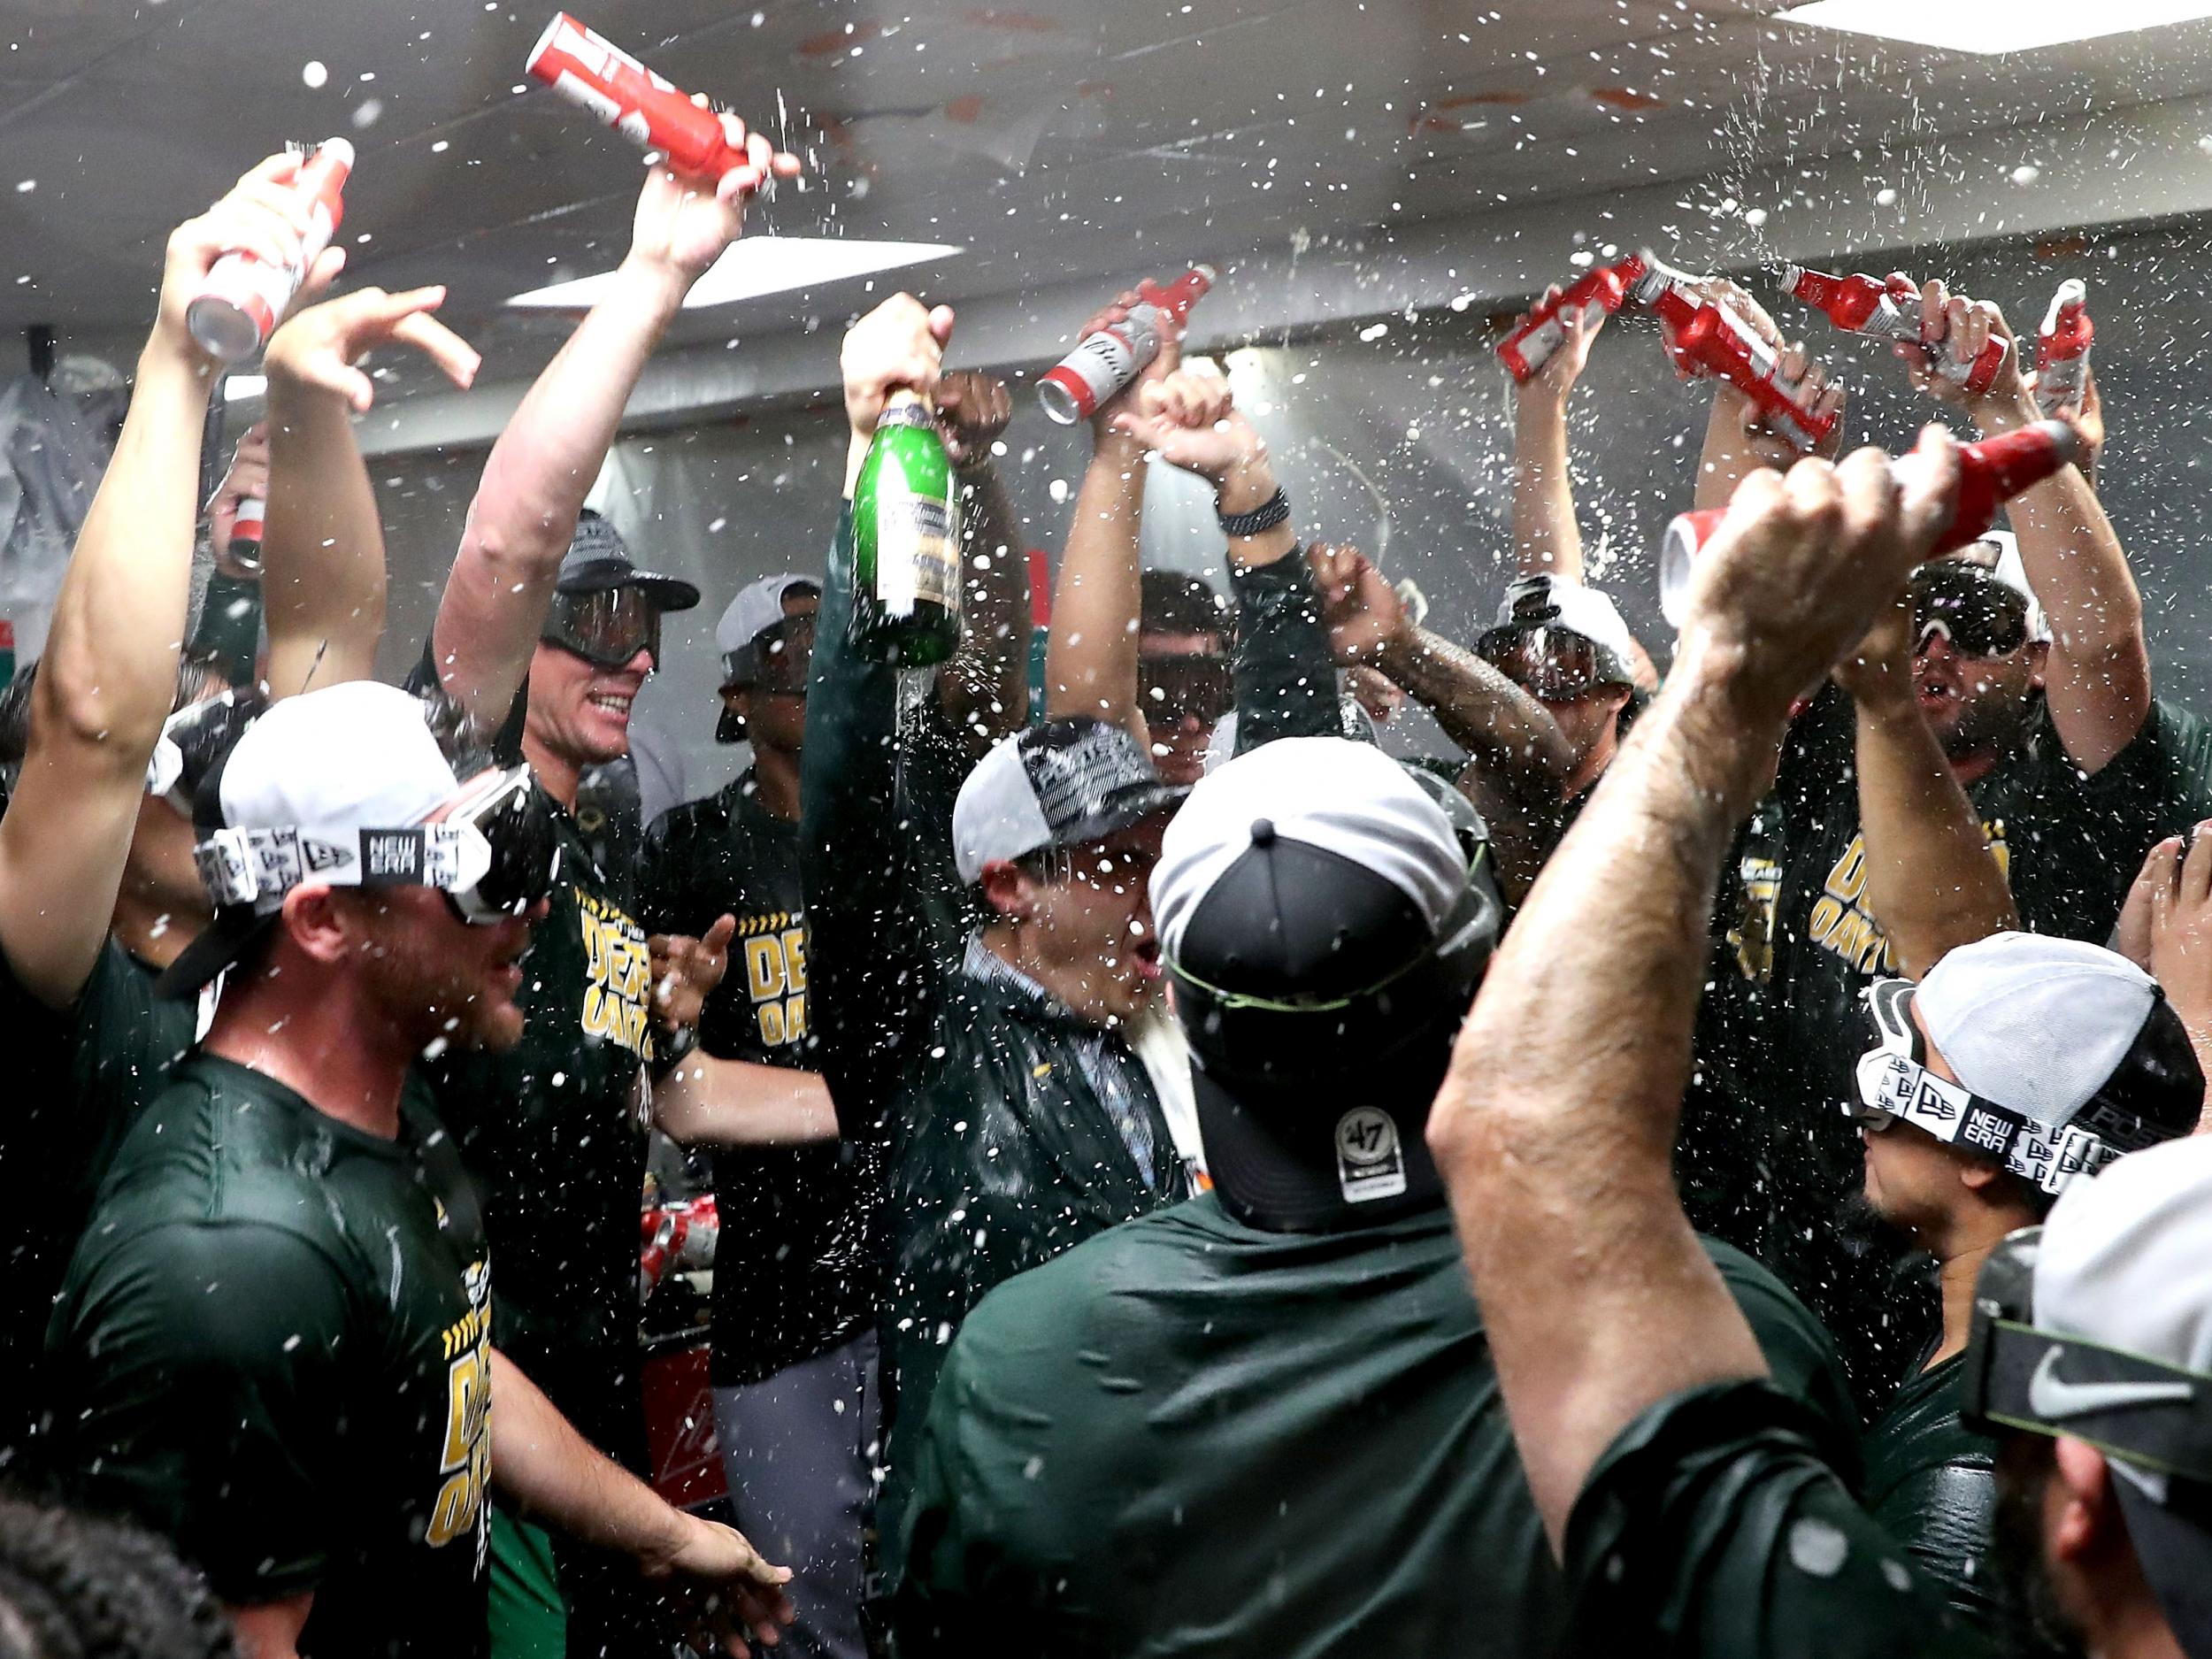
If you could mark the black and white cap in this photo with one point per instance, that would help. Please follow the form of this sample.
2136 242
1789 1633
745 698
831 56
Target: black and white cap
758 607
1060 784
2067 1056
1324 923
598 560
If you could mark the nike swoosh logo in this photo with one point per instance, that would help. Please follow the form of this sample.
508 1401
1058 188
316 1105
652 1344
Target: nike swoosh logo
2052 1396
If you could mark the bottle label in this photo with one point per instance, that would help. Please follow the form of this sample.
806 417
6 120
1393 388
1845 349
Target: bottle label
1108 360
917 555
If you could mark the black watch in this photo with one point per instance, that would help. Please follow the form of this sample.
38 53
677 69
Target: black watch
672 1049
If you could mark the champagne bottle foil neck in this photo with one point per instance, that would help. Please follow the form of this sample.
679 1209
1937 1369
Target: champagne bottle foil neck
905 409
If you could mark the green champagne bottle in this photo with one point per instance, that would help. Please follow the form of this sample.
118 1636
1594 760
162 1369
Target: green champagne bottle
906 540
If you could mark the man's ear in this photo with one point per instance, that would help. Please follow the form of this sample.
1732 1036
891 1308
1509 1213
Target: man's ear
1007 890
2038 662
317 924
2081 1511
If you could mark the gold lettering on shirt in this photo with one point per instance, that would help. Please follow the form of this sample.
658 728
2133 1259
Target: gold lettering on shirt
618 970
775 950
1840 924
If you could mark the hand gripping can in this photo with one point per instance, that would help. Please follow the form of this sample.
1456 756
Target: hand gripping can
239 305
1869 305
1103 362
245 531
1708 338
1528 348
620 92
1991 473
2061 351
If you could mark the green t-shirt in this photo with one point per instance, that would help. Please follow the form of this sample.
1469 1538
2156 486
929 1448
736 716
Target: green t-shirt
554 1130
274 1343
1191 1436
2070 843
1932 1483
1713 1528
81 1077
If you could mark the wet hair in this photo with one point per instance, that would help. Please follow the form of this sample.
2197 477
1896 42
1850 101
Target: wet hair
1175 602
76 1587
200 675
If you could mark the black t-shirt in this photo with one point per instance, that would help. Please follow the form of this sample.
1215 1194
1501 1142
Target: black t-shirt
2070 843
1712 1529
275 1340
795 1264
554 1131
82 1078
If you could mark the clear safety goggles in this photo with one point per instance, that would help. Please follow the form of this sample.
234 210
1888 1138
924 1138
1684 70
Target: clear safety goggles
1546 662
606 627
494 855
1895 1084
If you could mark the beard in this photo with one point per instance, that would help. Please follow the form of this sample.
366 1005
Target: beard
2024 1467
1989 722
438 1000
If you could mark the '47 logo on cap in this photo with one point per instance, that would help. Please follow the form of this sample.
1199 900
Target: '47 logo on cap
1369 1162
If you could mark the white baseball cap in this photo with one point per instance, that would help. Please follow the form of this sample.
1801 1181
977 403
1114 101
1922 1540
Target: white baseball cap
2123 1264
1551 602
357 756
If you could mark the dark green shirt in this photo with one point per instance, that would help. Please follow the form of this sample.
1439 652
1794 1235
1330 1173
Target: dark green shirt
1190 1436
1932 1483
2070 845
554 1130
273 1346
1714 1528
82 1077
795 1261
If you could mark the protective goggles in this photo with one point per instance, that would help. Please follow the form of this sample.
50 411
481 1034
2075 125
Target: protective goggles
1977 615
782 656
1547 661
494 855
1894 1084
607 627
1186 684
2157 1417
193 739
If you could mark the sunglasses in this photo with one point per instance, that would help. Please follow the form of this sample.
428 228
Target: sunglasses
782 656
1978 617
607 627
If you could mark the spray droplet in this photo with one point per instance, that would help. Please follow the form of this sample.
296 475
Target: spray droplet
314 75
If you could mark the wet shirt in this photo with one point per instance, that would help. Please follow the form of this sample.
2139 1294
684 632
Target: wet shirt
554 1130
794 1262
274 1345
2070 844
1713 1527
1191 1436
1932 1483
82 1078
1002 1148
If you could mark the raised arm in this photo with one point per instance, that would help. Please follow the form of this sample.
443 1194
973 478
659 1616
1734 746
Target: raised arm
984 690
108 673
549 1471
1556 1128
1738 442
535 480
323 550
1091 657
865 953
1547 540
1932 882
2097 679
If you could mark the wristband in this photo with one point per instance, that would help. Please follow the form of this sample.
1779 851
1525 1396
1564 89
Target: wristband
671 1050
1274 510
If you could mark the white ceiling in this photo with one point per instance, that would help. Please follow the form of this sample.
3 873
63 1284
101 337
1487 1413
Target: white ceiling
1055 139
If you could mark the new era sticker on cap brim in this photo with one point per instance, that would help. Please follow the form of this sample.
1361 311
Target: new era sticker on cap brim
1371 1162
